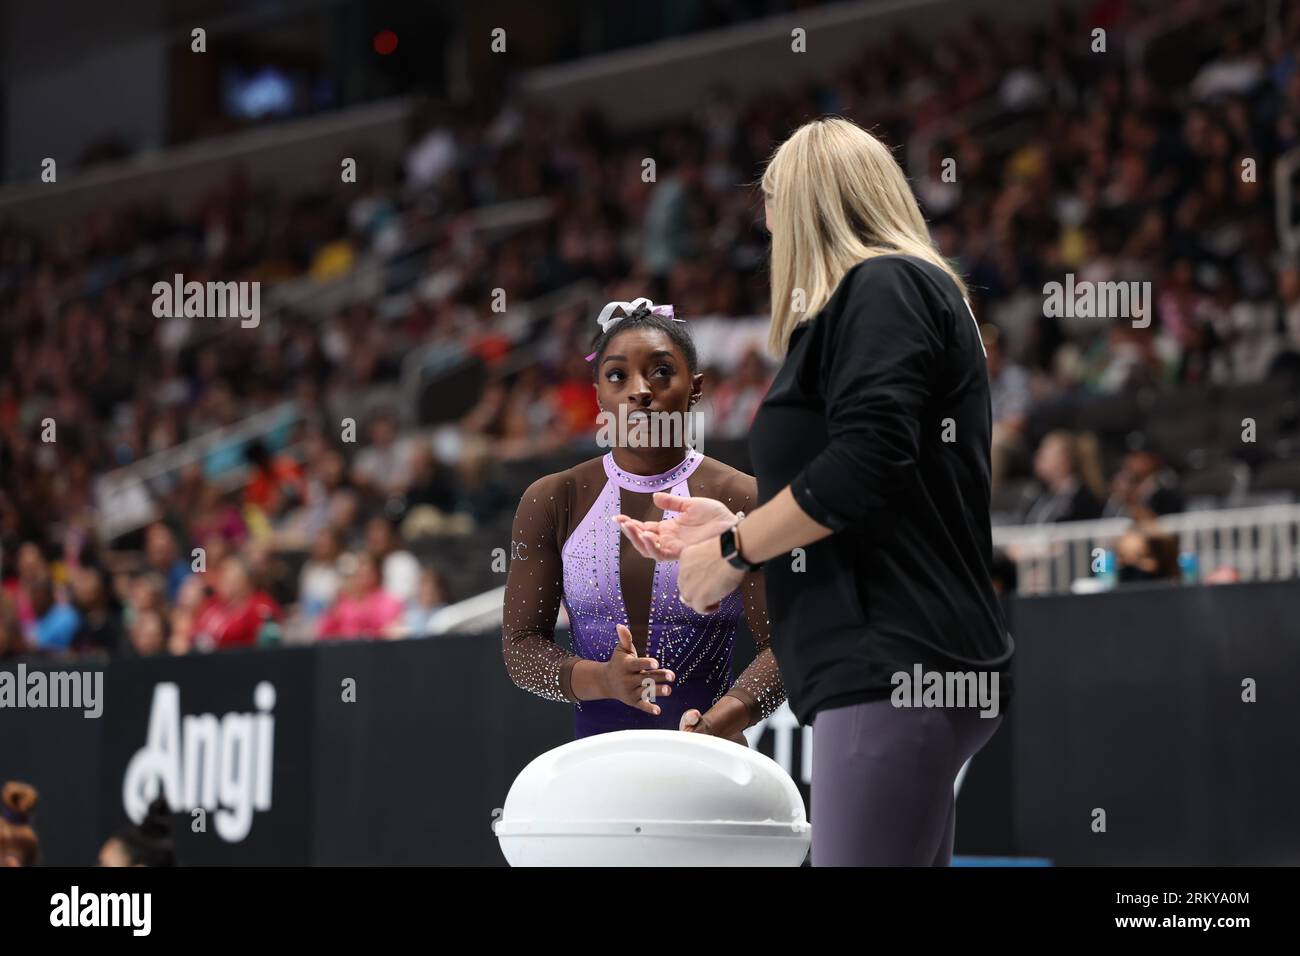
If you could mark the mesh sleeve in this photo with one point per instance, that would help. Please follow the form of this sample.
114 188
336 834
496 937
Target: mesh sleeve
534 586
760 686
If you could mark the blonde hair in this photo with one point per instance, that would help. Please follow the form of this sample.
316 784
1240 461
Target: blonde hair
835 196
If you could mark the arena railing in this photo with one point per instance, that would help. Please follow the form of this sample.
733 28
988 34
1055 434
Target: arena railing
126 499
1261 543
476 615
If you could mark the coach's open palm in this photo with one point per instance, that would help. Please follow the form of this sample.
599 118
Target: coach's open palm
698 519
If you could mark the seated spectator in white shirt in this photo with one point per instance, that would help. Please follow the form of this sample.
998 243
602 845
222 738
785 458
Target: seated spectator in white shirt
386 465
320 579
399 569
430 602
1065 496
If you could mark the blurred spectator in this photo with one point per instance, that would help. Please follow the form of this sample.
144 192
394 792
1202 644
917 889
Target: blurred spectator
574 400
666 217
1107 174
1135 559
1143 488
56 621
432 485
1164 545
320 579
236 614
399 569
325 486
1125 359
147 592
33 573
100 628
150 843
1223 574
1010 397
215 551
431 157
1145 554
160 553
190 603
1236 70
217 518
1288 304
386 465
431 598
363 609
269 571
11 632
1249 341
19 845
1065 496
274 482
735 400
479 495
1006 576
148 634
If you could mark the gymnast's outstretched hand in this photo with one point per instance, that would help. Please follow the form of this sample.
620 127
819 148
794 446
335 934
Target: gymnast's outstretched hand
698 519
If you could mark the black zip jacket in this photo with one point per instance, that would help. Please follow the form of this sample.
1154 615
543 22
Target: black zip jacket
879 420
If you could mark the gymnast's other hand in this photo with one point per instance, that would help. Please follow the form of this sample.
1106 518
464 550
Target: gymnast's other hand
636 681
727 719
698 519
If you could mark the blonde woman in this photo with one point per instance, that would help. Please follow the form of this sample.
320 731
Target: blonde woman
872 456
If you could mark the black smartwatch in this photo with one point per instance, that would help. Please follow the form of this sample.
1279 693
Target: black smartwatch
731 549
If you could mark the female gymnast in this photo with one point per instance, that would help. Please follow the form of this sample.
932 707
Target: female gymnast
872 454
641 658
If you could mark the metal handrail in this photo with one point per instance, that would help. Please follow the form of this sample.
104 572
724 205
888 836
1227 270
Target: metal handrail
1260 542
123 498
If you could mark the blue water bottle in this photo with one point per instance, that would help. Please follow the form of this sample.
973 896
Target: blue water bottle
1107 573
1189 566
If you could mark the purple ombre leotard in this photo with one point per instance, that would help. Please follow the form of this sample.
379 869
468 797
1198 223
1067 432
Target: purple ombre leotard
566 549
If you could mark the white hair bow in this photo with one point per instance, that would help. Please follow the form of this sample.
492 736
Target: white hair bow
607 319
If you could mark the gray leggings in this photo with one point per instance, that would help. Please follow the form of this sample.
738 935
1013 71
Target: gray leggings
882 780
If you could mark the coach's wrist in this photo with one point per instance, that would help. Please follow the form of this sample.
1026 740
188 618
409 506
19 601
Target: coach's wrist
730 548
